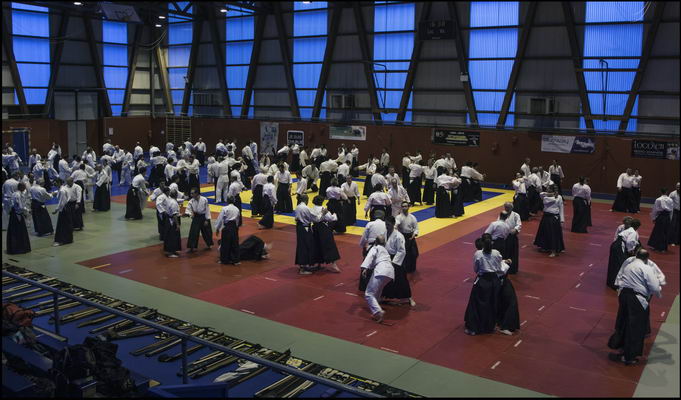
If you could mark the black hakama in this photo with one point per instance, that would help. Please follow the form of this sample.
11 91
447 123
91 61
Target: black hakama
284 203
615 260
199 226
64 232
508 316
368 187
457 203
588 215
161 223
580 217
466 190
674 228
229 244
443 207
42 223
624 201
193 182
253 248
267 220
171 239
18 241
183 184
428 192
354 171
557 181
325 250
48 183
336 206
512 251
133 209
412 253
384 208
350 211
295 162
201 156
550 233
414 190
237 204
635 199
77 215
630 325
102 201
256 200
405 174
535 203
476 190
399 287
659 237
305 243
324 182
481 312
499 244
521 206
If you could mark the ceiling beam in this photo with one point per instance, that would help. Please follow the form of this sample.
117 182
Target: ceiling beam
367 60
413 63
253 65
197 28
517 63
97 65
13 69
157 54
336 12
132 70
286 56
462 58
643 64
576 51
219 59
56 62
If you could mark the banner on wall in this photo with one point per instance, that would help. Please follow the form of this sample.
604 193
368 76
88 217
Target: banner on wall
348 132
295 137
654 149
455 138
568 144
269 135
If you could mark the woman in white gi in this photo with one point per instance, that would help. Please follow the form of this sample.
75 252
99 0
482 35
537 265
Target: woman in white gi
550 232
377 263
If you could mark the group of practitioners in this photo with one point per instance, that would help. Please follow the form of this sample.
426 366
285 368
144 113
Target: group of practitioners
388 243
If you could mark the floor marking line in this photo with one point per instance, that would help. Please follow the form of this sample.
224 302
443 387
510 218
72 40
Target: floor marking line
466 242
577 308
532 297
372 333
578 285
247 311
523 323
591 265
466 280
339 284
523 246
126 271
595 244
518 343
391 350
496 364
663 313
317 298
101 266
582 274
541 308
351 294
271 279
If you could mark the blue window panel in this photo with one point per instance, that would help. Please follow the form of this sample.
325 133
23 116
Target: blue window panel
30 24
614 11
177 96
391 66
180 33
311 49
305 113
488 101
114 54
391 80
116 109
234 11
177 110
493 43
236 112
611 63
613 40
611 125
21 6
393 46
35 96
389 98
240 28
31 49
490 74
34 74
239 53
236 77
114 32
116 96
115 77
394 17
310 23
178 56
236 97
494 13
389 116
306 76
306 98
312 5
181 5
176 77
614 103
616 81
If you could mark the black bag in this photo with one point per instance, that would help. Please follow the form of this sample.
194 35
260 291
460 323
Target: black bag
75 362
113 379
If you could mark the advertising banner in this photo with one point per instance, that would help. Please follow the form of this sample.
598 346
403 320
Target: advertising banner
269 134
348 132
456 138
568 144
295 137
654 149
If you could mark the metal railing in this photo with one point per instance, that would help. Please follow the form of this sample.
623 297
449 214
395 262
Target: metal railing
189 338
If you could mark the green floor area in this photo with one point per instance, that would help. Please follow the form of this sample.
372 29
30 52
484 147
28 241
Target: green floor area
108 233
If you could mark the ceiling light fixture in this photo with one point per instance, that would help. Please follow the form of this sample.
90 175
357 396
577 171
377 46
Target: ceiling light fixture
78 3
161 17
223 10
158 25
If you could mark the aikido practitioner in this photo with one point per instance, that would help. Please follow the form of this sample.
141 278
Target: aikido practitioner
482 309
399 287
498 230
581 205
556 175
102 201
75 199
64 232
199 210
397 194
636 191
311 173
336 198
443 206
283 179
137 193
254 249
378 270
520 203
637 282
305 240
159 196
370 169
234 192
378 201
674 226
534 187
508 316
624 201
376 227
414 187
625 245
351 191
549 236
193 172
327 169
661 214
172 243
325 250
257 184
512 250
228 224
408 226
269 200
18 241
42 223
429 173
456 195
